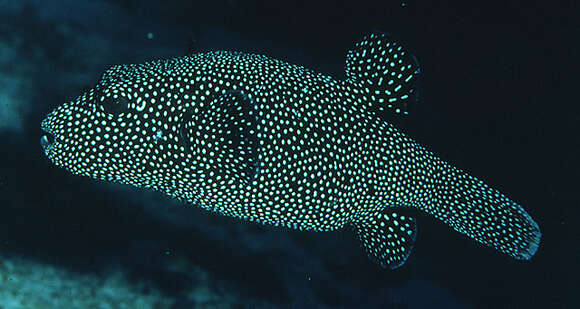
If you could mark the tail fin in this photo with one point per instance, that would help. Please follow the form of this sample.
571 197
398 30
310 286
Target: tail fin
473 208
384 72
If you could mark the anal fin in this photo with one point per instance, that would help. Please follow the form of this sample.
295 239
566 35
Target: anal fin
387 237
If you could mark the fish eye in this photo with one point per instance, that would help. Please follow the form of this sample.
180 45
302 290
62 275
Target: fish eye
114 105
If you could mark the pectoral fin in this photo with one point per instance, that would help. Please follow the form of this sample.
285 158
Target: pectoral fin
224 135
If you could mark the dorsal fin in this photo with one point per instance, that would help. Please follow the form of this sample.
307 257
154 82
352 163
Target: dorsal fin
382 70
224 135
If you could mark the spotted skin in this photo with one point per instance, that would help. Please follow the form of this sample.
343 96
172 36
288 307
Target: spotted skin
259 139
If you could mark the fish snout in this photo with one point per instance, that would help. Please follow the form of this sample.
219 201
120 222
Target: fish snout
46 140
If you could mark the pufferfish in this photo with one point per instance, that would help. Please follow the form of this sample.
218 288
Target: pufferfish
259 139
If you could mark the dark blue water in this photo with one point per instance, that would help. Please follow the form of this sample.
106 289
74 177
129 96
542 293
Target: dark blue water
498 99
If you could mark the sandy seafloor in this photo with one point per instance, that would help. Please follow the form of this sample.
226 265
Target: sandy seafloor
498 99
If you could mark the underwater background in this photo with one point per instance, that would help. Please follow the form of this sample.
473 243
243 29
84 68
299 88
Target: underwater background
498 98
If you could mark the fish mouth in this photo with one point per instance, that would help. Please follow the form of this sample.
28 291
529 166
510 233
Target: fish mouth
46 140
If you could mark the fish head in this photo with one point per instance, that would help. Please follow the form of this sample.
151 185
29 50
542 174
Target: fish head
125 129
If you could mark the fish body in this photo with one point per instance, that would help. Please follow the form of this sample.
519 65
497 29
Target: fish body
262 140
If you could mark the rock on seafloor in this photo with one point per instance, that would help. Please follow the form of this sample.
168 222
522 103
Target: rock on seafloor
30 284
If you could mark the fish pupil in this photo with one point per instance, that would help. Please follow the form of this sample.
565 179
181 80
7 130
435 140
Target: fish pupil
114 106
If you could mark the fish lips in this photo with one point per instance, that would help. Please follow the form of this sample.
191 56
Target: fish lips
46 140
